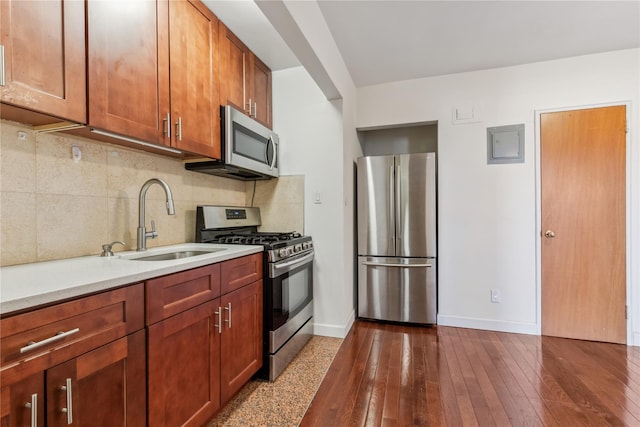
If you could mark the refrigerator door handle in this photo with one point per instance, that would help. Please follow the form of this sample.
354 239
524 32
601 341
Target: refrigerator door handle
398 206
384 264
391 217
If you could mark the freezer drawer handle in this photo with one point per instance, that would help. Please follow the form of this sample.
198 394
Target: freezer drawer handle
379 264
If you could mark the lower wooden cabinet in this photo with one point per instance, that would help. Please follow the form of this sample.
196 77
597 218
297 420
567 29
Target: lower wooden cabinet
199 358
104 387
23 402
241 346
79 363
91 361
184 361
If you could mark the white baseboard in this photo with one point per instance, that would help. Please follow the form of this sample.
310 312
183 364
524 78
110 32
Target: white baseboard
335 331
488 324
636 339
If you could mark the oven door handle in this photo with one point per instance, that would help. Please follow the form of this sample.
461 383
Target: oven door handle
279 268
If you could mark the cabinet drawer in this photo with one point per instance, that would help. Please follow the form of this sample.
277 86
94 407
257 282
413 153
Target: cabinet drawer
42 338
239 272
172 294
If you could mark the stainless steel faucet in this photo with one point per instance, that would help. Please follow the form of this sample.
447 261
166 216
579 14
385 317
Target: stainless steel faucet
143 234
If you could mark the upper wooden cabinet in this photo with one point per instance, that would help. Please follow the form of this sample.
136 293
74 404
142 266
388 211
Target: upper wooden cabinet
152 72
195 110
128 69
245 81
261 91
43 63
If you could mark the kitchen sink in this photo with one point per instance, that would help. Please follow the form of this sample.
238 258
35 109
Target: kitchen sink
174 255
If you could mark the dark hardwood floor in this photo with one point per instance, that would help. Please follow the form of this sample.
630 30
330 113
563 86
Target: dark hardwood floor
391 375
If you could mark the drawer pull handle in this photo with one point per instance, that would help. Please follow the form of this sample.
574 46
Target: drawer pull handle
32 345
33 405
69 409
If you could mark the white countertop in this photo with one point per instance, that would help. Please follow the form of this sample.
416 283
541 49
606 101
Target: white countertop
30 285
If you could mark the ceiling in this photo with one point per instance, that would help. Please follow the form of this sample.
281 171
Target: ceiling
383 41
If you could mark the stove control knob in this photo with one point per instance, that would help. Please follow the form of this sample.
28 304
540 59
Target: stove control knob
305 245
282 253
290 251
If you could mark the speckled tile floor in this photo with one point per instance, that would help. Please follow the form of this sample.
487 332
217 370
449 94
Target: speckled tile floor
283 402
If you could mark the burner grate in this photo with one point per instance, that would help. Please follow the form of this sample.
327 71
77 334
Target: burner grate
258 238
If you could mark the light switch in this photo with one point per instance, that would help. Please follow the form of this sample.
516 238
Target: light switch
317 198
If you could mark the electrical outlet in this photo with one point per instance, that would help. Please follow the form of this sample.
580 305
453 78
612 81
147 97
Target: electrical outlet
495 295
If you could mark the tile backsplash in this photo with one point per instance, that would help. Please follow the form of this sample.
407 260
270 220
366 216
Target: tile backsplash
53 207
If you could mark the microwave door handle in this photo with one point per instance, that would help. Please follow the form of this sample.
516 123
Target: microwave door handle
275 153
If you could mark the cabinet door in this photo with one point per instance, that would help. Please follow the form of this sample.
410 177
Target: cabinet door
44 57
241 345
234 71
23 401
184 367
261 92
105 387
128 68
193 40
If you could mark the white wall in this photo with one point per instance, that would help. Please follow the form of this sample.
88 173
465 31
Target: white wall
324 146
487 214
310 131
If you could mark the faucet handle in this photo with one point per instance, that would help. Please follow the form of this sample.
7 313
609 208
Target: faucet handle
106 249
153 233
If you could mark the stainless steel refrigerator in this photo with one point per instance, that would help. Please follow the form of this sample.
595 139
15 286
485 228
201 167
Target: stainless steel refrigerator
397 238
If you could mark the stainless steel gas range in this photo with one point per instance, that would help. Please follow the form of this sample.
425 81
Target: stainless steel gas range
287 279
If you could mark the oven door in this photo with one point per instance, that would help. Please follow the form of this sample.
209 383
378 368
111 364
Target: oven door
290 292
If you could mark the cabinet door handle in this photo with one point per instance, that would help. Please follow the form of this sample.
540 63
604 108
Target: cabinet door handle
2 80
167 125
255 110
219 314
60 335
228 308
69 409
249 103
33 405
179 129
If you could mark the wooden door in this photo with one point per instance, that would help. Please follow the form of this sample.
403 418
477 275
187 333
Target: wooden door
261 92
583 216
241 342
107 386
193 41
44 57
234 70
184 367
128 68
17 399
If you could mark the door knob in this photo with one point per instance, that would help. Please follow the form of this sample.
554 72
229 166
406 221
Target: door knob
549 234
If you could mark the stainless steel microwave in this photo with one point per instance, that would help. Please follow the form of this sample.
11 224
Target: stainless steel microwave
249 149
